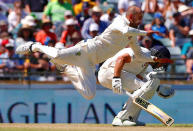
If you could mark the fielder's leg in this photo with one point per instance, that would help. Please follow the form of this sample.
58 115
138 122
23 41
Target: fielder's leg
75 55
83 79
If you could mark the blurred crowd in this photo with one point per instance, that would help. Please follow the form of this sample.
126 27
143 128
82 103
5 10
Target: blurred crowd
63 23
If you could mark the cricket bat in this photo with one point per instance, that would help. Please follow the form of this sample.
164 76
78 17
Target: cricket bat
154 110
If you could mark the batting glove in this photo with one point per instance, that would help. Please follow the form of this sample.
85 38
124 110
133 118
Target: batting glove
117 85
151 75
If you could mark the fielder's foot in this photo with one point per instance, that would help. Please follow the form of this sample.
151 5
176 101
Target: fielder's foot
25 48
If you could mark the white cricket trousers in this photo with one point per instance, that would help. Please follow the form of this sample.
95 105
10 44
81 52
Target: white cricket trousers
130 83
83 76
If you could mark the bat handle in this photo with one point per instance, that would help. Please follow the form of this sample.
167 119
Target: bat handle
133 96
129 94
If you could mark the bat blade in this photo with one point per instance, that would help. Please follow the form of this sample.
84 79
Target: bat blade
154 110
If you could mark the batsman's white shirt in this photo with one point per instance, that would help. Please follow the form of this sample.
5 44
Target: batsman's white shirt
128 74
128 78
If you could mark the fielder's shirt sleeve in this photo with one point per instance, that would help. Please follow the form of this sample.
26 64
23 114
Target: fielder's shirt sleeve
132 31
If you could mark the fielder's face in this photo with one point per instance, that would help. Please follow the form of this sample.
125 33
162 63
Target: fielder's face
136 19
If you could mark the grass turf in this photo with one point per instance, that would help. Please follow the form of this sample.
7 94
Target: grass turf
92 127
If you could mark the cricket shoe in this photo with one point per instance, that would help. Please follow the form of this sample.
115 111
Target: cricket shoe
25 48
118 122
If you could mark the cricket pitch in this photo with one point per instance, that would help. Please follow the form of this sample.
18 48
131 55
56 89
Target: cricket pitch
92 127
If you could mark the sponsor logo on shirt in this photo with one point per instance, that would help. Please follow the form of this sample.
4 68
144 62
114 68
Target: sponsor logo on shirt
78 53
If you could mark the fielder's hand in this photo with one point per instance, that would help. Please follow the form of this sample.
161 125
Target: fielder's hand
117 85
150 32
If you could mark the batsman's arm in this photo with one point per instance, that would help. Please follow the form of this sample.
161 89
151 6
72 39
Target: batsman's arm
116 81
121 60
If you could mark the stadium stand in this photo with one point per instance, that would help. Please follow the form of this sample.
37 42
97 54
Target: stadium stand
15 28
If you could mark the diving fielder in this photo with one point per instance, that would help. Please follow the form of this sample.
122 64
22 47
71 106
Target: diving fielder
86 54
124 72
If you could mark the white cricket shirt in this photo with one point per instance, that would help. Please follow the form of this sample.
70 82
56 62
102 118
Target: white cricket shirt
134 67
116 37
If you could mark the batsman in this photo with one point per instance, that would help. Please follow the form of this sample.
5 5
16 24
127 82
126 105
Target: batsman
124 72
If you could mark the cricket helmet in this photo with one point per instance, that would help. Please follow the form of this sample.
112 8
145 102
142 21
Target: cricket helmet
160 52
